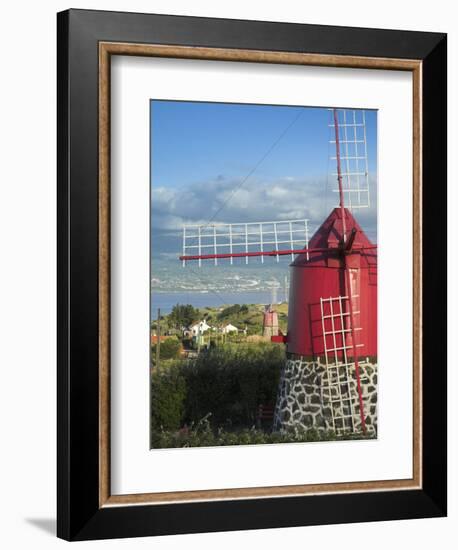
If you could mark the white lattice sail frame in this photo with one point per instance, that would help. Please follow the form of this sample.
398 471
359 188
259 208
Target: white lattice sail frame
217 240
353 157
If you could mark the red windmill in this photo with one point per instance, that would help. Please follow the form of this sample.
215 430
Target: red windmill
333 291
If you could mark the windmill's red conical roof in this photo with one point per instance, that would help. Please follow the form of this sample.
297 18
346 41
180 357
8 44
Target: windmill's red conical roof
329 235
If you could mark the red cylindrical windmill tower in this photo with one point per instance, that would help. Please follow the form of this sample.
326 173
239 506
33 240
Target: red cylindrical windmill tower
322 276
270 322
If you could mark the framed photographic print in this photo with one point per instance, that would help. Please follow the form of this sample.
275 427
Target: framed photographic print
250 333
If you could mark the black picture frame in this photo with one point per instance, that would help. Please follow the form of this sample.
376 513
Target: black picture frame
80 516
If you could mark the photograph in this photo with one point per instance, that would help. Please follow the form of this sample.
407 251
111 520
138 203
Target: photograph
224 186
263 269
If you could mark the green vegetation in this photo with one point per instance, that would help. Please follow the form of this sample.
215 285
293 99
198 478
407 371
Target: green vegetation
169 349
241 316
251 316
202 434
183 316
168 394
232 311
226 384
231 381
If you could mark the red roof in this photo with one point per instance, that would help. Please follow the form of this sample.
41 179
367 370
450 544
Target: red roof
154 338
329 235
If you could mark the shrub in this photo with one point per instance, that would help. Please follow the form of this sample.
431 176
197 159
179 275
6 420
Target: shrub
225 384
201 435
168 394
230 382
170 349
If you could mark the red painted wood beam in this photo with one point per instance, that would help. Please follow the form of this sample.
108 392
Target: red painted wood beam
267 253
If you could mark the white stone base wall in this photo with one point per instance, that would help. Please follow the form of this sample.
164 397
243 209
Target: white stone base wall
302 401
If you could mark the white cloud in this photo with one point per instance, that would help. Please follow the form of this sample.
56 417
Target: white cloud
231 201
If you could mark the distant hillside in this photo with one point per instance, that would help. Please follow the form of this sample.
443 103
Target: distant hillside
239 315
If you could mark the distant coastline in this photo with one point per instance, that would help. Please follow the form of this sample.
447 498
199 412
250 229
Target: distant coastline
166 300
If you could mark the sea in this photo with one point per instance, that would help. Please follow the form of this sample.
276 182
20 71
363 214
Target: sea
216 286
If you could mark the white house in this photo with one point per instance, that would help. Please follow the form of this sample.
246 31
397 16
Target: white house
199 328
229 328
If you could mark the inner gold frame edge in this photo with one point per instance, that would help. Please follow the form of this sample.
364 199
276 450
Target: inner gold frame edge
106 50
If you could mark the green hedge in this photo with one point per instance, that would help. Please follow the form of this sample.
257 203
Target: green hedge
202 435
168 394
225 384
230 382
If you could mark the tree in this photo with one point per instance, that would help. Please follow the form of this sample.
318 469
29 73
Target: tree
231 311
183 315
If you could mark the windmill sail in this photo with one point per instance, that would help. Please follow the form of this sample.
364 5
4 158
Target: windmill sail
345 243
229 241
353 156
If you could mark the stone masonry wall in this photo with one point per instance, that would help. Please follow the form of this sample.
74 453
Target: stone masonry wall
303 402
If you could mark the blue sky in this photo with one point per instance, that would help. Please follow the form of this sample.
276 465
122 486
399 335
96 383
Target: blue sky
202 152
200 141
